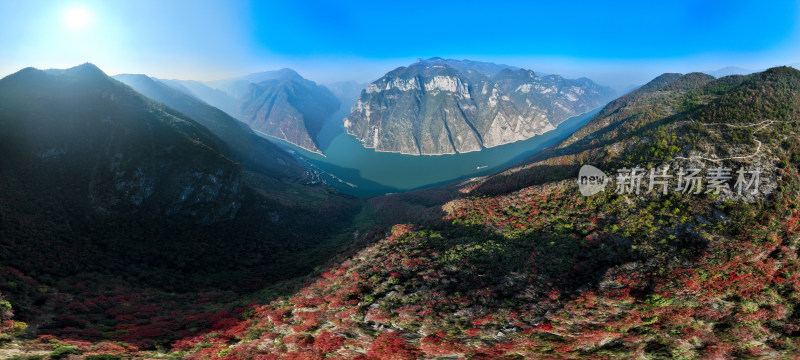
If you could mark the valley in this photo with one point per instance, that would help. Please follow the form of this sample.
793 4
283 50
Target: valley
513 264
416 180
371 173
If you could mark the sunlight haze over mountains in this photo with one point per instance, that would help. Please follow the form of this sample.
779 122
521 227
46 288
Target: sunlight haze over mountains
327 41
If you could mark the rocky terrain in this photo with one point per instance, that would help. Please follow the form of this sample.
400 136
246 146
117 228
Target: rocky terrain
439 106
289 108
279 103
515 265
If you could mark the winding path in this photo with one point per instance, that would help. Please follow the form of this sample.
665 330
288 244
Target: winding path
760 125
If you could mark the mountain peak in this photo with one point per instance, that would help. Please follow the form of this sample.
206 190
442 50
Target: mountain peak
788 70
280 74
85 69
87 66
658 82
457 106
286 73
688 82
465 65
297 106
730 70
86 74
25 73
518 72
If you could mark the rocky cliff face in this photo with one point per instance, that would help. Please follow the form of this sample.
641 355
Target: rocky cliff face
279 103
441 106
289 108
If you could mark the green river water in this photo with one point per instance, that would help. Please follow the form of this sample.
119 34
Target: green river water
356 170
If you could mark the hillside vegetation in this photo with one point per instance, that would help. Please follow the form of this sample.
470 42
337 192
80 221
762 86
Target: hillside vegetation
520 265
110 203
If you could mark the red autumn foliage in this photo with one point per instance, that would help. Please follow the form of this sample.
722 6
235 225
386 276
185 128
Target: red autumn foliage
391 346
327 342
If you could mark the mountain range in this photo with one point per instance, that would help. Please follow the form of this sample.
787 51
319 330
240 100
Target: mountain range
103 176
439 106
284 105
135 228
280 103
247 147
731 70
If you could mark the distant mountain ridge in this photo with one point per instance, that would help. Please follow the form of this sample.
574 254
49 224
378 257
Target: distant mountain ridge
486 68
346 90
214 97
439 106
278 103
253 151
731 70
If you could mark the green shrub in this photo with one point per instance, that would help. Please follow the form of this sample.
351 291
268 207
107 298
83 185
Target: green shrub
62 350
103 357
27 357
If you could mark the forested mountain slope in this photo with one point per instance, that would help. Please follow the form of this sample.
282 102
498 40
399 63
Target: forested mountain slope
253 151
100 182
521 265
536 270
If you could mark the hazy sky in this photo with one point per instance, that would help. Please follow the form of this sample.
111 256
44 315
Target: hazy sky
616 44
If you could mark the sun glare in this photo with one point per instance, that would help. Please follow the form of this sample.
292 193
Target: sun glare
77 17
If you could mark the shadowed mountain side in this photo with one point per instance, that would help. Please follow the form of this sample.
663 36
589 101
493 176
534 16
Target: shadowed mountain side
110 181
254 152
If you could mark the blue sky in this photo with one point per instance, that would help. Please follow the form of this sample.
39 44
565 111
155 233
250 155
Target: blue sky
615 43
